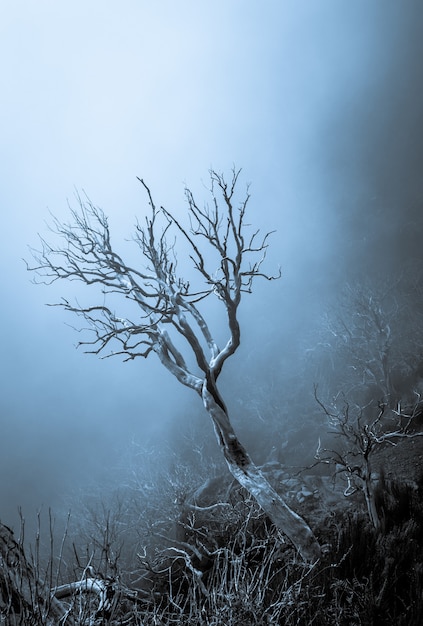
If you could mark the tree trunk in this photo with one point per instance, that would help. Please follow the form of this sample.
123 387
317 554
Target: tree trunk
369 494
24 598
107 592
253 480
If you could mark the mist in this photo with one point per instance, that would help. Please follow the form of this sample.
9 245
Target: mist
320 104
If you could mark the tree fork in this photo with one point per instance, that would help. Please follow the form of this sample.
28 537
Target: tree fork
169 305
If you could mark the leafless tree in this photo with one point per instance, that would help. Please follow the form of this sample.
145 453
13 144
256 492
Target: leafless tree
169 320
360 438
371 344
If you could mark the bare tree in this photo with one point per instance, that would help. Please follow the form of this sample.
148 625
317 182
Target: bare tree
169 321
360 438
372 348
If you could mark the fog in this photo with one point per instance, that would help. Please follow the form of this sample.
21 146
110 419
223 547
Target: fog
321 104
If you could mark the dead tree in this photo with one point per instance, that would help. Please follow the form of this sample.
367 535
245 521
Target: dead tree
371 344
166 317
359 440
108 592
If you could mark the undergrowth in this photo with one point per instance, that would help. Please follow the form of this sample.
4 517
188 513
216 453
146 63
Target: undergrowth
229 567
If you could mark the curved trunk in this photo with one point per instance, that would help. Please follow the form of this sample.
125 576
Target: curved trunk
253 480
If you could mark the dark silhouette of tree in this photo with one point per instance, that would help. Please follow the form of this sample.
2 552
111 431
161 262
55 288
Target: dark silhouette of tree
166 317
25 596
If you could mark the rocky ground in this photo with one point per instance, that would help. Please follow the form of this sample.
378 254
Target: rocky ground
315 492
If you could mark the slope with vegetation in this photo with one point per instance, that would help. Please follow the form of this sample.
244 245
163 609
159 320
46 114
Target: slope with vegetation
332 538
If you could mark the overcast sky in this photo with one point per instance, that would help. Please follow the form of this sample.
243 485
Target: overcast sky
319 102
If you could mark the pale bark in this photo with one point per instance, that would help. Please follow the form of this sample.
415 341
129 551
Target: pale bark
369 494
249 476
170 316
107 591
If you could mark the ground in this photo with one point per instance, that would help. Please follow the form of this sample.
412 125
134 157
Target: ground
403 461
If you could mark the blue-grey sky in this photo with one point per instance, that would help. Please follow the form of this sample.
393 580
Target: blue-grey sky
319 102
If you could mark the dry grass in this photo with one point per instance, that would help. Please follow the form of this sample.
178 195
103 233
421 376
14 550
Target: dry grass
229 567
